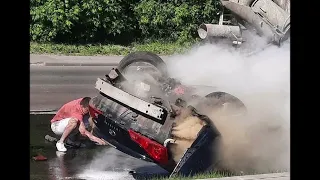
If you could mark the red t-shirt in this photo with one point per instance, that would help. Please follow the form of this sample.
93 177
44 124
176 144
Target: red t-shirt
71 109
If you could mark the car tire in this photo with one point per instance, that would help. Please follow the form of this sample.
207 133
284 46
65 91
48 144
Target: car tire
147 57
224 97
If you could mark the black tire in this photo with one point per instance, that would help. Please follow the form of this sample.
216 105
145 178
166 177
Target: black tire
142 56
224 97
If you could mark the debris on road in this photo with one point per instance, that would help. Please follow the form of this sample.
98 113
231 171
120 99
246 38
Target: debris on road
39 157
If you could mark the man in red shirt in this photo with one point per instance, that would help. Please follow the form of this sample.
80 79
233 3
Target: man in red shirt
68 118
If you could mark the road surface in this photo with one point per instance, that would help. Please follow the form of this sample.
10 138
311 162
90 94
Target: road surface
52 86
55 79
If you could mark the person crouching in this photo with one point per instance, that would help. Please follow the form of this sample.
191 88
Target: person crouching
68 117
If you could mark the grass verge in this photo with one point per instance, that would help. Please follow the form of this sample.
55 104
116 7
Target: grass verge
161 48
198 176
218 174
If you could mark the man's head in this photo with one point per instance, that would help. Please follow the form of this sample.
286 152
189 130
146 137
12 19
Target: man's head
85 104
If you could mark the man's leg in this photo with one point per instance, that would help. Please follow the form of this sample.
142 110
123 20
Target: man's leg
72 124
63 128
74 138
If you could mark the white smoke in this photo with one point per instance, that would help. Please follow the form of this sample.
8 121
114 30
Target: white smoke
111 164
259 142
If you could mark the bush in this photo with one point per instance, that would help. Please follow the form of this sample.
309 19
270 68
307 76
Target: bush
81 20
118 21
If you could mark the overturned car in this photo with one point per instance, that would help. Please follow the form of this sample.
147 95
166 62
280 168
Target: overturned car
142 113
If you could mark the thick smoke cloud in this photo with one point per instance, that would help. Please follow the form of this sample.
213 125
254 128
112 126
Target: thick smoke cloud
258 141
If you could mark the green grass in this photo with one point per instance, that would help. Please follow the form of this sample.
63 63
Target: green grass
215 174
198 176
161 48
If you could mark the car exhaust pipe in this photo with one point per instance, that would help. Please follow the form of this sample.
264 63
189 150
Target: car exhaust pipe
217 30
268 18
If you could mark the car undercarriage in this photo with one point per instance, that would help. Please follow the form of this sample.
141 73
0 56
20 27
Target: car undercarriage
144 117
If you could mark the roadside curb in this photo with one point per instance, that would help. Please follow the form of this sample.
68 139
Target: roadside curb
55 60
80 64
41 112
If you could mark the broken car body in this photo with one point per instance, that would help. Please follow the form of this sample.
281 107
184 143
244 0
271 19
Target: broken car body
141 121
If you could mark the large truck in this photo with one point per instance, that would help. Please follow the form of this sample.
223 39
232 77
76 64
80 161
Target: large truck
268 18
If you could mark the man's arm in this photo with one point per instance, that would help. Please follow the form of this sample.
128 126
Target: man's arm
84 132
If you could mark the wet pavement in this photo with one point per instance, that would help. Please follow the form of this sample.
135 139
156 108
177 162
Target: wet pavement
95 163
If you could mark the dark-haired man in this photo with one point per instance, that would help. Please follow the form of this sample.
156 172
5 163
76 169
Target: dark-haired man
68 117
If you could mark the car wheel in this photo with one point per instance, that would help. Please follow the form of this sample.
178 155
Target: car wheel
226 102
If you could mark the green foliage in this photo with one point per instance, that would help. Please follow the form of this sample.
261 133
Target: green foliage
118 21
80 20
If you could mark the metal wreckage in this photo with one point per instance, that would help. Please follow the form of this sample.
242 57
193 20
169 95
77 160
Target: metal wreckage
140 115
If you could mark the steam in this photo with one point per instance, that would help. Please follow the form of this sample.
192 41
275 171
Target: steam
260 140
111 164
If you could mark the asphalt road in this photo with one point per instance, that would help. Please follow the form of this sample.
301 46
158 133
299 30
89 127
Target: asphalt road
52 86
